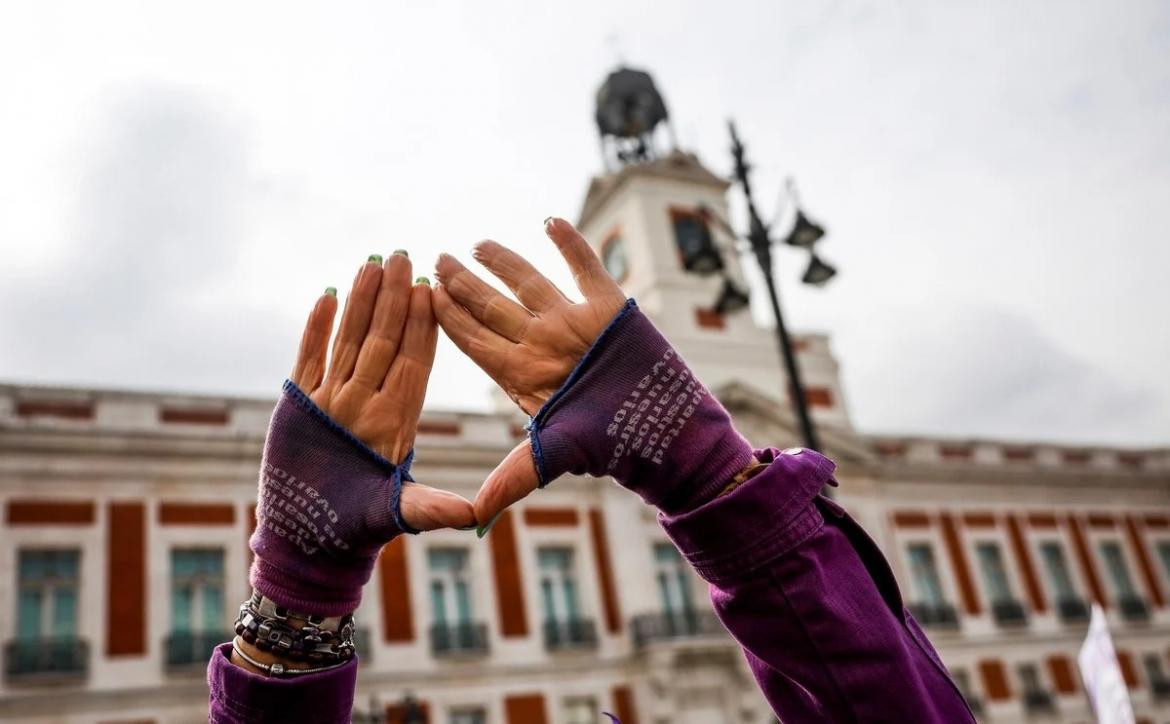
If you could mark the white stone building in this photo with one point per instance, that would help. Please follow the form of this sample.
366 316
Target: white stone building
125 517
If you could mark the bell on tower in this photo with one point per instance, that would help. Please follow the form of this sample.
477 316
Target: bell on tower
629 109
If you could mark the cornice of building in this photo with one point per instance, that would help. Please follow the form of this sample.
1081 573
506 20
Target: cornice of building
678 165
110 423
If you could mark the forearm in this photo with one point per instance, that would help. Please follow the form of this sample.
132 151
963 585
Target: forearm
812 601
284 666
326 506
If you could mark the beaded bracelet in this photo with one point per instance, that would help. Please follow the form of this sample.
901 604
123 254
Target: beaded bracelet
279 669
264 624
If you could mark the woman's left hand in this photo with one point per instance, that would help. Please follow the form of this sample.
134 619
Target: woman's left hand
376 378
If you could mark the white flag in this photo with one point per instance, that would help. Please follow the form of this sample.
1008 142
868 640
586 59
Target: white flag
1102 674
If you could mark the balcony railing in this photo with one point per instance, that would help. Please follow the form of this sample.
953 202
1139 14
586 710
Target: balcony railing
1160 688
64 657
675 625
363 643
1134 609
976 705
935 615
459 638
1072 610
578 633
192 649
1008 612
1038 700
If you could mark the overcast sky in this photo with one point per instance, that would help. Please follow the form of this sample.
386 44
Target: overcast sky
178 183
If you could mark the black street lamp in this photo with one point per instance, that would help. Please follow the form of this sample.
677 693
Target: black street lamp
804 234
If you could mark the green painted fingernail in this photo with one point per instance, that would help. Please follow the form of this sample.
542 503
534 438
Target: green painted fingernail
331 291
423 280
376 258
547 219
401 252
481 531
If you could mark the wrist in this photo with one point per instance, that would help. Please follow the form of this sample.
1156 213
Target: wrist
754 468
273 640
267 658
632 409
327 504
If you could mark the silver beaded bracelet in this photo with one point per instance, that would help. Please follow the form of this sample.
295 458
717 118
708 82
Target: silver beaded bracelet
321 640
279 669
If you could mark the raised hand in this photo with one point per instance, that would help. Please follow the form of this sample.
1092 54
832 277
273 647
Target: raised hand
377 376
528 348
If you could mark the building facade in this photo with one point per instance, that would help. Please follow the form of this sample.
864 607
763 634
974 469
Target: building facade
123 541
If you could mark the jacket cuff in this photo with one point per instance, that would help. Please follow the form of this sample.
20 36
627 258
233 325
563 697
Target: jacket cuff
769 515
238 695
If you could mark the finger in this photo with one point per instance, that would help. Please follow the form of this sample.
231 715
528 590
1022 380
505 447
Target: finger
494 310
513 479
310 366
591 277
381 343
530 286
486 348
407 379
355 321
427 508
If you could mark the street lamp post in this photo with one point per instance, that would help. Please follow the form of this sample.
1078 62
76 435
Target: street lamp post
761 246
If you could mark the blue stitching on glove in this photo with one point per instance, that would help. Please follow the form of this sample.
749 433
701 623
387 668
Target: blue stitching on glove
399 472
540 419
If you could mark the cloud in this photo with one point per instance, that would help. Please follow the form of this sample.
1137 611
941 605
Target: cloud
163 198
985 371
960 156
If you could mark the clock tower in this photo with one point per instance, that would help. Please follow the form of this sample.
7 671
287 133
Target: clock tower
654 220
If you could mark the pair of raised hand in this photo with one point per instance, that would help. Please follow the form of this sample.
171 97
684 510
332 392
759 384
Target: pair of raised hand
376 378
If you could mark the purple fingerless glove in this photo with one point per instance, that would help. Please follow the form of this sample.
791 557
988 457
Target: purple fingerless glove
633 409
327 505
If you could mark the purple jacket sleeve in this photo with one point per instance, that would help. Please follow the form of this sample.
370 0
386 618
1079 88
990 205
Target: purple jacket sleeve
239 696
812 601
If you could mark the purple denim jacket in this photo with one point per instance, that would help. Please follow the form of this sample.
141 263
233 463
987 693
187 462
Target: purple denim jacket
798 584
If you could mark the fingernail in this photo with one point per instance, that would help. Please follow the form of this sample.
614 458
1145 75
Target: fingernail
331 291
469 527
481 531
547 219
423 280
376 258
401 252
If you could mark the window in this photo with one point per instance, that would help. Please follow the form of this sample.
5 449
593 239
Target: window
1153 666
581 710
674 581
994 574
924 573
450 591
197 595
963 682
47 591
1029 677
558 586
1118 571
1056 565
613 256
1164 557
695 245
1036 696
467 716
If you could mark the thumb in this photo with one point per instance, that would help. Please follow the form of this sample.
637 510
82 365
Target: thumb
514 478
427 508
